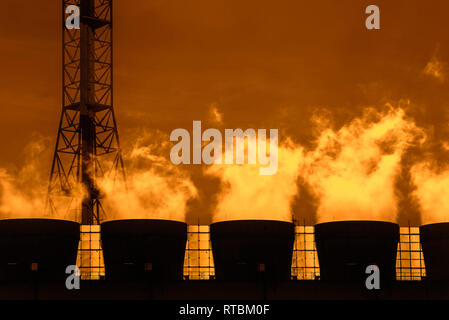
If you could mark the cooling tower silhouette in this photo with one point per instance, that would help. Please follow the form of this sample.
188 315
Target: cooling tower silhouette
435 246
248 250
144 249
346 248
37 248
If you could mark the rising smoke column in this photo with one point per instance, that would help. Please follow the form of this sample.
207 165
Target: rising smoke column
352 171
432 186
154 189
248 195
23 189
16 202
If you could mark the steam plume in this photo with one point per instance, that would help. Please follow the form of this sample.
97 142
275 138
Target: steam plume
247 195
352 171
23 190
155 188
431 192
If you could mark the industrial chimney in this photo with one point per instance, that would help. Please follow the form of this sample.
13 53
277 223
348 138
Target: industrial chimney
250 250
37 248
346 248
139 249
435 246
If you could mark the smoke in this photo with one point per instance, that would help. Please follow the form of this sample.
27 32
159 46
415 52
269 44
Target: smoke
154 188
23 188
431 191
215 116
248 195
436 69
22 192
352 171
16 202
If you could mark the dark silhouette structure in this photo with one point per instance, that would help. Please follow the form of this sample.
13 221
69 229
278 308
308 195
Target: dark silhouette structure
87 144
346 248
435 246
144 249
144 260
37 248
248 250
144 257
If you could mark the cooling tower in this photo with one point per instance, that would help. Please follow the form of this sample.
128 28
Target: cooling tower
248 250
144 249
435 247
346 248
37 248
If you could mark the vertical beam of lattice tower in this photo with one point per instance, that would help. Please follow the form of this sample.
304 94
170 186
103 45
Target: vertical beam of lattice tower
87 146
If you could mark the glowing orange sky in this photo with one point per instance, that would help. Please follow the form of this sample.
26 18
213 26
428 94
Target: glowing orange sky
262 64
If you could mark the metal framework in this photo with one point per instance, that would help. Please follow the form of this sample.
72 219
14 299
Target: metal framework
198 261
305 264
410 260
199 265
87 144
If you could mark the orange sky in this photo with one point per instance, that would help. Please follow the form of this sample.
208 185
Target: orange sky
261 64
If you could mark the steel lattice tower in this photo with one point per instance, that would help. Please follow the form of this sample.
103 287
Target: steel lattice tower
87 136
87 145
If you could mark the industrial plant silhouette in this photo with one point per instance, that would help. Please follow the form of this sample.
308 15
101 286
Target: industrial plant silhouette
144 258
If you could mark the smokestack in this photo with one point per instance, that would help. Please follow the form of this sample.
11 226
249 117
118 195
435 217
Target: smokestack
140 249
248 250
346 248
435 246
41 248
